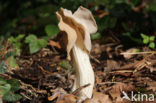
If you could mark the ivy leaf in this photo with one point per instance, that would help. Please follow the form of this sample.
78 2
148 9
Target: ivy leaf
3 67
4 87
51 30
2 81
30 39
35 44
152 38
96 36
15 85
145 38
66 65
34 47
19 37
11 97
12 62
42 43
152 45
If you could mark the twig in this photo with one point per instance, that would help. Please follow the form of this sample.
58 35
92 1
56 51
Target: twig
149 52
34 89
96 60
103 83
79 89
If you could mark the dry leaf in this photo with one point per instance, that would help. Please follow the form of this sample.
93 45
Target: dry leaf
128 55
99 98
152 85
111 65
53 43
62 96
117 89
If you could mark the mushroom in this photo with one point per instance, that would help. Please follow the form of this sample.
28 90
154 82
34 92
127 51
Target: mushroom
78 27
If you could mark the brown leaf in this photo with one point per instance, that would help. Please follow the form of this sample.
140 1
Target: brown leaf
99 98
62 96
117 89
152 85
53 43
111 65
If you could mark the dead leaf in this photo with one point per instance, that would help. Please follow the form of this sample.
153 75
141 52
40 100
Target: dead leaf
99 98
128 54
117 90
62 96
53 43
111 65
152 85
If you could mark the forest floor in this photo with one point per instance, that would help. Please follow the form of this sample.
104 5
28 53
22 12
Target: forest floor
47 74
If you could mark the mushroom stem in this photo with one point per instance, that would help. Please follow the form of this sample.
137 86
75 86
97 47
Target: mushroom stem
84 72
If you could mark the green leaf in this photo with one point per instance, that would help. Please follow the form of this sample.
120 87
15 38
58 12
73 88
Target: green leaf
15 85
96 36
2 81
42 43
3 67
152 38
146 41
12 40
30 39
16 39
12 62
34 47
145 38
128 34
152 45
11 97
152 7
19 37
35 44
4 87
51 30
66 65
136 50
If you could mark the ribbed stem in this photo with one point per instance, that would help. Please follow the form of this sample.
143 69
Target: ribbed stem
84 72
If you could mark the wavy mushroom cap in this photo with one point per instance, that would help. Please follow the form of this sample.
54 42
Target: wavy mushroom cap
78 27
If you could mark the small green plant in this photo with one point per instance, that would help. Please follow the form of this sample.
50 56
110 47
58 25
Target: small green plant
66 65
149 40
17 47
16 42
96 36
3 67
51 30
35 44
8 89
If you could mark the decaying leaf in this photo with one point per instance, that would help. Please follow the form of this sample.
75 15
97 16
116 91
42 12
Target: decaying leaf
53 43
128 54
99 98
117 90
62 96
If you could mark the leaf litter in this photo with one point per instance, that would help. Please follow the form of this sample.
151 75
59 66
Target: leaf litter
44 80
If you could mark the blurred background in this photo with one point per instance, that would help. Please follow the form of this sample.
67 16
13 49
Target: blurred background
121 21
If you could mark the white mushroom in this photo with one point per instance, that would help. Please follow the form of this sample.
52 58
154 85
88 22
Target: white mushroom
78 27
